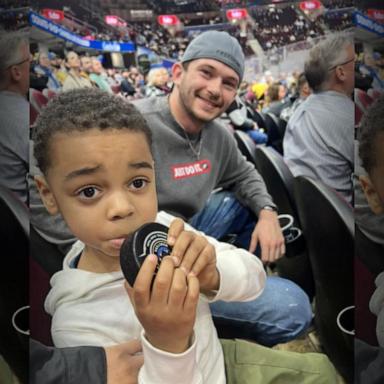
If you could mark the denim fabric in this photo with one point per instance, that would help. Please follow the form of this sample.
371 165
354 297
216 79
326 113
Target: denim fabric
283 310
222 215
279 314
258 137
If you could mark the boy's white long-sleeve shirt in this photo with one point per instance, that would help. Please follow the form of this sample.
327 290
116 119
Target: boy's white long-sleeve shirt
94 309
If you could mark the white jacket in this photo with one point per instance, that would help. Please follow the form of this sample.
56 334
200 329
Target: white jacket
94 309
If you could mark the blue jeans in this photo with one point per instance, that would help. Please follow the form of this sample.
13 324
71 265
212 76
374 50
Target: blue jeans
282 311
257 136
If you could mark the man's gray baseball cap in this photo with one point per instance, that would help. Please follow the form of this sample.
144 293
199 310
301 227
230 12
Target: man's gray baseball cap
219 46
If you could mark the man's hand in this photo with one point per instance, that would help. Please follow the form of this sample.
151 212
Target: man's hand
123 362
268 233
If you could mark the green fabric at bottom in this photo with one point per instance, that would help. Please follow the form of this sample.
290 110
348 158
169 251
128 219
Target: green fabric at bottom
249 363
6 376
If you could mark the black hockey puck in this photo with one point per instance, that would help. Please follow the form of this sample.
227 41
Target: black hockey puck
149 239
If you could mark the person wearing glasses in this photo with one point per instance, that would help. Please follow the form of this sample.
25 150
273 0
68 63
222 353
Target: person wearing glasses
14 111
318 141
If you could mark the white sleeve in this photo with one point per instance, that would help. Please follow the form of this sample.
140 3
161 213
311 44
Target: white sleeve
162 367
242 275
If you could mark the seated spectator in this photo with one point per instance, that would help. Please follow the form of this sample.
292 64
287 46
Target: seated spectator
157 82
237 113
318 140
44 68
75 79
303 91
98 75
275 99
14 110
58 67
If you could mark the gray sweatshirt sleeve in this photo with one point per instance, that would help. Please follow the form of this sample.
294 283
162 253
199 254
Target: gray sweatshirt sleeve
242 178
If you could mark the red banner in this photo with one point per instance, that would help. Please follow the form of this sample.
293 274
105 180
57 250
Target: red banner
116 21
236 14
166 20
53 14
310 5
377 14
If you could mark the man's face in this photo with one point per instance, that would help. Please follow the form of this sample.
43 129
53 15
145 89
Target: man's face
206 88
373 185
349 70
86 64
22 69
43 60
103 184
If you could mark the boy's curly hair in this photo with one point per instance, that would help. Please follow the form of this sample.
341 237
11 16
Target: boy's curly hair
371 126
80 110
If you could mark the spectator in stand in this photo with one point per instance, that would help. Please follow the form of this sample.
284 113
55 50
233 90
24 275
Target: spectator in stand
44 68
237 113
157 82
58 67
318 141
75 79
98 75
303 91
14 110
275 99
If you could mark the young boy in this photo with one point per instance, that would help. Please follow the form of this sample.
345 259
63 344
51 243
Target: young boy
94 152
371 152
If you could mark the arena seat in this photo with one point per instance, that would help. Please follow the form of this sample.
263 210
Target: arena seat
45 260
37 99
274 132
279 181
49 93
14 232
328 224
362 99
246 145
33 113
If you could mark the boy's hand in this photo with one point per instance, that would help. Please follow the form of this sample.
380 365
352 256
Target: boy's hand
194 255
167 312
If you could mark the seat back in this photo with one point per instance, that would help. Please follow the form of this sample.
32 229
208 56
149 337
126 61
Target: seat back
46 259
274 131
279 181
328 223
278 178
246 145
14 238
37 99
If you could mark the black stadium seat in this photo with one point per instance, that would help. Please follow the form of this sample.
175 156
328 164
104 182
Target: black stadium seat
246 145
328 223
279 181
14 232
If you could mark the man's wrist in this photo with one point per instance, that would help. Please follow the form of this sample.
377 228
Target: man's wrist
269 208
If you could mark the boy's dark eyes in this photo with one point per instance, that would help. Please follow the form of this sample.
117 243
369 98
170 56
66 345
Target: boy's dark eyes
139 183
88 192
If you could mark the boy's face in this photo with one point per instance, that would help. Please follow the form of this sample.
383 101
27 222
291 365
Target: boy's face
373 185
103 184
